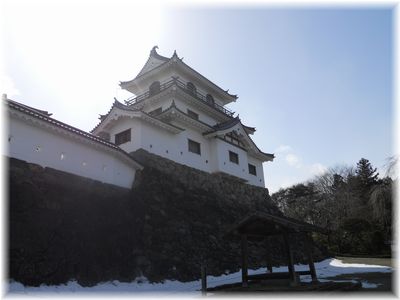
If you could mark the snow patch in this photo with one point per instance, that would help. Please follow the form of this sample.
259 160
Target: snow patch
326 268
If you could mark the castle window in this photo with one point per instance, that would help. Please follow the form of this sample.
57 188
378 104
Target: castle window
154 88
191 88
233 157
123 137
194 147
210 99
252 170
192 114
156 111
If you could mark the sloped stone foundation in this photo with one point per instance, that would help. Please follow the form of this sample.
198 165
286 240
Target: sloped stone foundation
63 227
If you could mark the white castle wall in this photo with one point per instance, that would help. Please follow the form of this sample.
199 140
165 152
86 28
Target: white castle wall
61 150
214 152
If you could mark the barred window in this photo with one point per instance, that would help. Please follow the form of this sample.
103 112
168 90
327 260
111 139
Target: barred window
194 147
234 157
210 99
191 88
154 88
123 137
252 170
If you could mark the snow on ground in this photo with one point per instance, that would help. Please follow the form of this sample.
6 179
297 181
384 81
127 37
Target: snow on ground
170 288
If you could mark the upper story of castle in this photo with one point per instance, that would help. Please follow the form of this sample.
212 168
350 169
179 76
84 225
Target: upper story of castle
161 75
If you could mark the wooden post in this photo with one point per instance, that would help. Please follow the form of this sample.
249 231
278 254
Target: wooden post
244 261
203 279
309 244
269 256
292 274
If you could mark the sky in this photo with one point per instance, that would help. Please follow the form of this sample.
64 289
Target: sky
316 81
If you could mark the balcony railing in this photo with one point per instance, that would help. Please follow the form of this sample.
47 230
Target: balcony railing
180 84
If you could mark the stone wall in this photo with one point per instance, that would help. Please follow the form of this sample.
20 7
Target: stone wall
65 227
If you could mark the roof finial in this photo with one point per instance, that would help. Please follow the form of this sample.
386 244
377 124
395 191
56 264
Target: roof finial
153 50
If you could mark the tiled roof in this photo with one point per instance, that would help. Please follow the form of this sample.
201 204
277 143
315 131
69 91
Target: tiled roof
121 106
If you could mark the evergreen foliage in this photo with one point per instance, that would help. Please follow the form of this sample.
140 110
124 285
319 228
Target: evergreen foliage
354 204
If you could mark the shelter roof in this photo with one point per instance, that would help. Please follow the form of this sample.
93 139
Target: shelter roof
264 224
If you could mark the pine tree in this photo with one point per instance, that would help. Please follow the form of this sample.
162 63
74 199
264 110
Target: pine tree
366 174
366 179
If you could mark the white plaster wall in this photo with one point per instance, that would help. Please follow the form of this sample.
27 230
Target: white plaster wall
183 106
240 170
259 179
43 146
214 152
175 146
123 124
225 165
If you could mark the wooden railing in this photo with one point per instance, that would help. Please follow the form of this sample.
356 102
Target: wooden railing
180 84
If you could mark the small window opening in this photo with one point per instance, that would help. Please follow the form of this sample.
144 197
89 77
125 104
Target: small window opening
154 88
191 88
123 137
233 157
210 99
194 147
252 170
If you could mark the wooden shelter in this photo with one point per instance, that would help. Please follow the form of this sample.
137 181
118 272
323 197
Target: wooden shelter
264 225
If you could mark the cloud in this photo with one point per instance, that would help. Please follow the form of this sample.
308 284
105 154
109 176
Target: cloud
318 169
293 160
283 148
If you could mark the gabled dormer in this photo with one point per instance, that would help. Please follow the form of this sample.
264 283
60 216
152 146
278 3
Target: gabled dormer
237 134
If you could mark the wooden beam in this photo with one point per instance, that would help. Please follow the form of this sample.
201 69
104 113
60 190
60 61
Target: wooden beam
309 247
269 255
244 261
292 273
203 279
